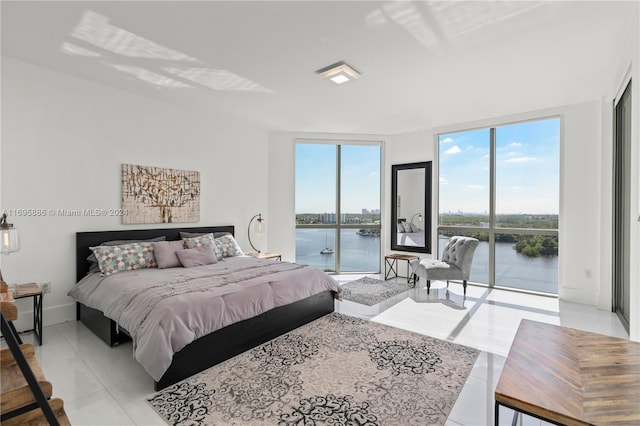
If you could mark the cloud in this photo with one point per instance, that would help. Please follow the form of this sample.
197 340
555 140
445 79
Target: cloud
515 187
521 160
443 180
446 140
515 144
474 186
453 150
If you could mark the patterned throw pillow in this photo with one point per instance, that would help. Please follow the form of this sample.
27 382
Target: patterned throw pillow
125 257
228 246
200 241
93 262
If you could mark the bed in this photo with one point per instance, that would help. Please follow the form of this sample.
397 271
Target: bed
311 297
414 239
409 234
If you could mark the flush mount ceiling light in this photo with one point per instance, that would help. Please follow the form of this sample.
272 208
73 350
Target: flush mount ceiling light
339 72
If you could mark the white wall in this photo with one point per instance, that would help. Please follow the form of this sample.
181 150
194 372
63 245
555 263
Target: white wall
63 143
580 204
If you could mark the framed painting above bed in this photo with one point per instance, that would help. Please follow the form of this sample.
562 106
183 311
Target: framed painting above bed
160 195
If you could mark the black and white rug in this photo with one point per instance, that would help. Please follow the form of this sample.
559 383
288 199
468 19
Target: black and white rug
371 291
337 370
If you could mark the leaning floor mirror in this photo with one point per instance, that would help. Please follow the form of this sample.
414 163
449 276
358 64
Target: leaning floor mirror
411 207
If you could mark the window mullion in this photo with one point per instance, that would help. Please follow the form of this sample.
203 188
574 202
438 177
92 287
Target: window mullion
492 206
338 205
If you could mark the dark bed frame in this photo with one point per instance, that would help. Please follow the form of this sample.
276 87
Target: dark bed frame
213 348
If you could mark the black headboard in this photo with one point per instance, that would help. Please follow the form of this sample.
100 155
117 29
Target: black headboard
84 240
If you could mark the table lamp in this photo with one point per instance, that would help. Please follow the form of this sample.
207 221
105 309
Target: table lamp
419 218
9 241
259 229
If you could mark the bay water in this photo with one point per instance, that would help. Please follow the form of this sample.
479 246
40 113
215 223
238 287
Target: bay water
362 254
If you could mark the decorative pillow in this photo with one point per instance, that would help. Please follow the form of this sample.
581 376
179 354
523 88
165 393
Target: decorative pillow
228 246
197 256
202 240
402 227
126 257
165 252
413 227
93 262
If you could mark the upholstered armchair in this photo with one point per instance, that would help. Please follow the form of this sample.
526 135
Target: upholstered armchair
457 257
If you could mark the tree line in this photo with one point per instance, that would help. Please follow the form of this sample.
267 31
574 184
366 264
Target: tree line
527 245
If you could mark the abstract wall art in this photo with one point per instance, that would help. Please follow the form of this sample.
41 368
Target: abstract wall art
159 195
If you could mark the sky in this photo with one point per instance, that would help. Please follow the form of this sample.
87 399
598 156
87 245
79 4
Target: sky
527 169
527 172
316 178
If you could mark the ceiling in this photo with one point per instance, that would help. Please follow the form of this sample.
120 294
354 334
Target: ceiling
423 63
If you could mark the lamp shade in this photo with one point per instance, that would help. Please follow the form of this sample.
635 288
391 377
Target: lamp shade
9 241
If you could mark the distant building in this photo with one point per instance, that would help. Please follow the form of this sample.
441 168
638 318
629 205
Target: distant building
369 212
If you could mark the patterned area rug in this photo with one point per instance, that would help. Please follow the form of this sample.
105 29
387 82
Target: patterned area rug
370 291
337 370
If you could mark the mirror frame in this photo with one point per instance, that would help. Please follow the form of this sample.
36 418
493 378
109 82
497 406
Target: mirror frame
395 168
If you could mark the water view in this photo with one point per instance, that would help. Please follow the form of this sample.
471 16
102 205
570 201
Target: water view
359 253
513 269
362 254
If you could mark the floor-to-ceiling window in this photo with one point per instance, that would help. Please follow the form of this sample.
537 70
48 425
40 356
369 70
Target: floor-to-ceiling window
501 185
338 205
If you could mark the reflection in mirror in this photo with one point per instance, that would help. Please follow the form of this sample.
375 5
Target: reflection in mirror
411 207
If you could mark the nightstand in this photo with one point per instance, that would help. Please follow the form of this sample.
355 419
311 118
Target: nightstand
32 290
276 256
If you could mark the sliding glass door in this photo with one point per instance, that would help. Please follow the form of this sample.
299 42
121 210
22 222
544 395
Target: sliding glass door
338 205
501 185
622 207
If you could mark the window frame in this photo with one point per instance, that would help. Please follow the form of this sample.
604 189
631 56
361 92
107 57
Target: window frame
492 230
338 226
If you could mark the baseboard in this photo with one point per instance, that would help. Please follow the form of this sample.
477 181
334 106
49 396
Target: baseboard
578 296
50 316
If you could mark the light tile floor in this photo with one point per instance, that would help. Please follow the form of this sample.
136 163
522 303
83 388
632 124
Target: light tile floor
105 386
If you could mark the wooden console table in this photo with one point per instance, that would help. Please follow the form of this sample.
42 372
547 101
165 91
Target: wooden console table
571 377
